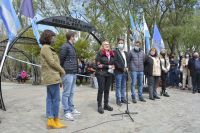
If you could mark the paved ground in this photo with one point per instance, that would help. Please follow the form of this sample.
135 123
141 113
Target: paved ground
26 113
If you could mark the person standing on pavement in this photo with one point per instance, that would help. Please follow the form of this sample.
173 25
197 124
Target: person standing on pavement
121 72
104 73
136 66
186 72
51 76
152 69
68 60
165 66
194 66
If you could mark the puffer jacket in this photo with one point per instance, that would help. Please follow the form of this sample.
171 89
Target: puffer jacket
51 69
136 60
102 59
68 58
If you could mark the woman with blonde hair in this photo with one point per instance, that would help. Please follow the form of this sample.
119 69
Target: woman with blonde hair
104 73
51 76
152 70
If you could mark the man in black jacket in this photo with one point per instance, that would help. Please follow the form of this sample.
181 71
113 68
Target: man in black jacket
121 68
68 60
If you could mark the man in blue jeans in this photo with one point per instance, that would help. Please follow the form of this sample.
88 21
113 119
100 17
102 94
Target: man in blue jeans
68 60
121 68
136 66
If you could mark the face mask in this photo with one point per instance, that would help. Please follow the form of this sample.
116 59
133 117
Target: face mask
121 46
76 39
137 48
52 40
162 53
187 56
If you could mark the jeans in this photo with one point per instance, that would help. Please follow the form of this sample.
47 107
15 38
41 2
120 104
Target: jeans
120 80
173 77
104 83
69 84
152 82
139 77
53 101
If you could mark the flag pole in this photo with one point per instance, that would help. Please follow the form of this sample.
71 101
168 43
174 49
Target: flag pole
4 56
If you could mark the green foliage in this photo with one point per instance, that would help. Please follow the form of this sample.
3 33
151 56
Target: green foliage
60 40
83 49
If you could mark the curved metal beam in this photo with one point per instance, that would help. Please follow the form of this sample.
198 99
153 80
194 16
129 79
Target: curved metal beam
29 59
58 21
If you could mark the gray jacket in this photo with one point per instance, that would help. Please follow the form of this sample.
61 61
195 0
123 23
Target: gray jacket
136 60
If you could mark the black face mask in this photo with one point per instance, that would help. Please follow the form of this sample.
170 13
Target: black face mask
163 54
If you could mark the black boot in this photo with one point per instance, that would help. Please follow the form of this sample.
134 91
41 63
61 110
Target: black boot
124 101
156 97
100 110
134 99
107 107
166 94
162 92
142 99
118 102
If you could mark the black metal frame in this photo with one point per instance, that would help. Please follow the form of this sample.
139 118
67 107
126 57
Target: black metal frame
35 82
57 21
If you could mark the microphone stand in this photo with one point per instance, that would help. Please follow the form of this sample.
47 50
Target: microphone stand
127 112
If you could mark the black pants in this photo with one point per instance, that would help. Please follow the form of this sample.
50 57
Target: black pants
164 80
104 83
196 81
152 82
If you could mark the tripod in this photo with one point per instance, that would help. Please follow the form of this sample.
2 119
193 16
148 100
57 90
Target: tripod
127 112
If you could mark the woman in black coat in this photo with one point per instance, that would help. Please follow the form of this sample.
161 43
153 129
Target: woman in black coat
105 67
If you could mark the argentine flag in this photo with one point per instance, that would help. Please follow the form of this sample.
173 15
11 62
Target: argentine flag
9 18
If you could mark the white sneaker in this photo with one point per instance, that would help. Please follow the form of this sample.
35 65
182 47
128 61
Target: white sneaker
69 117
76 112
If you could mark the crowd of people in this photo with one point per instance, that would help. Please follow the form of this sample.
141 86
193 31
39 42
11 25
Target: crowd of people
110 64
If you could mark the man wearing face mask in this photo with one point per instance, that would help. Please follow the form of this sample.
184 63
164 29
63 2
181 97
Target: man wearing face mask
136 66
186 71
194 66
69 62
121 69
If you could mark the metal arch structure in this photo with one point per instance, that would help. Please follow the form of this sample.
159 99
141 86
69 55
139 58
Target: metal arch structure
36 73
61 22
24 41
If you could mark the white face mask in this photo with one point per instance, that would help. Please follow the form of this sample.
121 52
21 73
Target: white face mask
121 46
76 39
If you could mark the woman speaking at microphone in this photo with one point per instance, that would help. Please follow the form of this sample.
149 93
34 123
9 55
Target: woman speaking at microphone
104 73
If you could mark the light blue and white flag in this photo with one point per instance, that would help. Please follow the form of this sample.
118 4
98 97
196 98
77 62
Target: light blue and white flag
9 18
133 27
157 39
146 36
36 31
